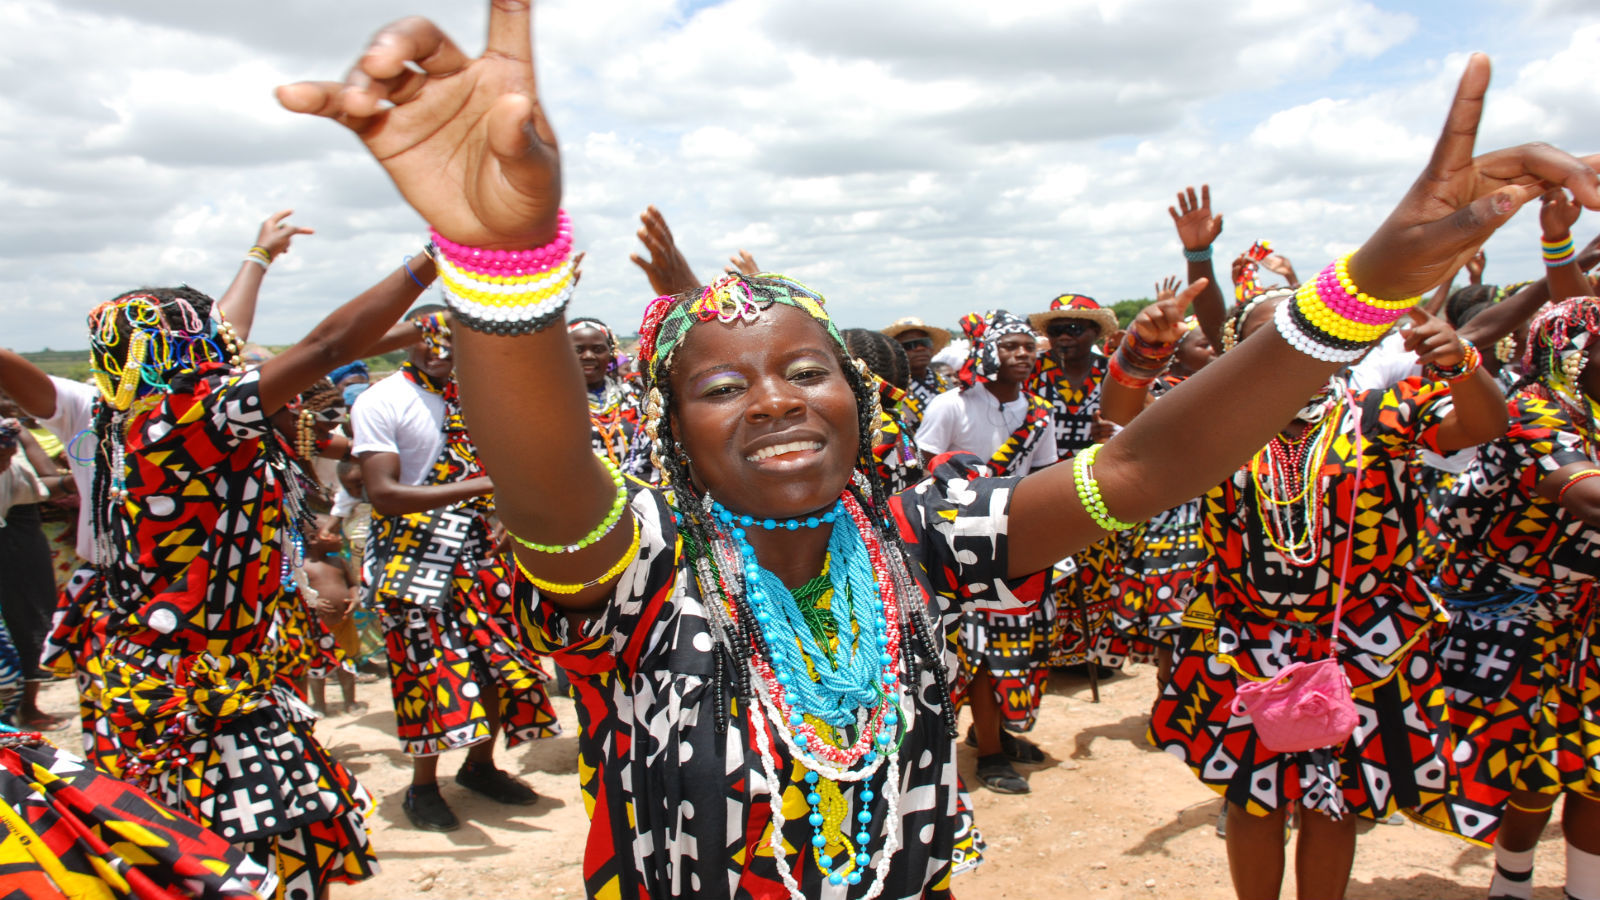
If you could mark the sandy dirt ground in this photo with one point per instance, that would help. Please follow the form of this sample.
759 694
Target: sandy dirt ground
1109 817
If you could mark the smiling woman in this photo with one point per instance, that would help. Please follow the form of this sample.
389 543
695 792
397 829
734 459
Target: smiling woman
758 647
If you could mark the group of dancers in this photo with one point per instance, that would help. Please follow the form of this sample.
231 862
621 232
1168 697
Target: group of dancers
775 558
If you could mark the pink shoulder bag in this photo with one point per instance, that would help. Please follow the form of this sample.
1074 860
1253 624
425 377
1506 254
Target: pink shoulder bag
1308 705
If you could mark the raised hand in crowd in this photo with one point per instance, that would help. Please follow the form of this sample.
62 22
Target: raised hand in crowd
1198 230
276 234
1475 267
238 302
1557 214
1279 264
1159 324
744 263
668 271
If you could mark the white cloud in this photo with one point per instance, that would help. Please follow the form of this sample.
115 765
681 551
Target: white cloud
931 156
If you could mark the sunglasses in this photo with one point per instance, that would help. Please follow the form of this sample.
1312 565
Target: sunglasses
918 344
1069 328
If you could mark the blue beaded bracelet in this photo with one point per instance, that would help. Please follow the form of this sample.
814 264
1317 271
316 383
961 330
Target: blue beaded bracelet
1202 255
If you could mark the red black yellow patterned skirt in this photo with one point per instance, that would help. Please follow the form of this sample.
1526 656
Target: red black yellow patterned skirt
1016 651
441 659
1538 728
1399 755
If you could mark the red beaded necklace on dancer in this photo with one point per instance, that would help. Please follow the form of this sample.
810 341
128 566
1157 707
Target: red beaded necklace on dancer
1289 499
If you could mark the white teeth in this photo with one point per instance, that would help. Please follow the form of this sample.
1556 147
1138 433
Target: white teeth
769 452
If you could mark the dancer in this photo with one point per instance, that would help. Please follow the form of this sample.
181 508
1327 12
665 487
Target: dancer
432 571
1070 377
1307 549
1002 656
185 632
710 748
1521 582
613 405
1165 551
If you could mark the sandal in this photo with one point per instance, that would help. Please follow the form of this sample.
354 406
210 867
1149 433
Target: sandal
997 775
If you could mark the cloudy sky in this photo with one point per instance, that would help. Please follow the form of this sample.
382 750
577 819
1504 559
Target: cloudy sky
902 156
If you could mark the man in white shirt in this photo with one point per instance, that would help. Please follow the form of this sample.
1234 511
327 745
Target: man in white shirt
1012 430
432 574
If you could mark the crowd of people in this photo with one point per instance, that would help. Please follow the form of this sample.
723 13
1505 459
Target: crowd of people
1356 531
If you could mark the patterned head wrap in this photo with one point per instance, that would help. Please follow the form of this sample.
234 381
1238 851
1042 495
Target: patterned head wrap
731 298
10 433
984 331
1560 341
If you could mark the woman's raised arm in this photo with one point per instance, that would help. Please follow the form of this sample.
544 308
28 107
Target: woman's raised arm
468 145
1181 447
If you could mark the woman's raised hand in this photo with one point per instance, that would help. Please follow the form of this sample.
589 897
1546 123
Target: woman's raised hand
1459 200
668 271
465 140
1197 227
1162 321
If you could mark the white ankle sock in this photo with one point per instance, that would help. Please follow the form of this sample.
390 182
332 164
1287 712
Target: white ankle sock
1513 874
1583 874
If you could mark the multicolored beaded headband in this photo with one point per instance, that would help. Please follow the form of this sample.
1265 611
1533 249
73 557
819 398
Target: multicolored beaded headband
729 299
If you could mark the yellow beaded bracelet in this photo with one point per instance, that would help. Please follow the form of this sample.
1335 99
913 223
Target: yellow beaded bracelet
613 515
1333 323
1089 491
551 587
1341 271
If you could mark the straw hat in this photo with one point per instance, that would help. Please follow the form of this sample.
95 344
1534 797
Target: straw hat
1074 306
941 337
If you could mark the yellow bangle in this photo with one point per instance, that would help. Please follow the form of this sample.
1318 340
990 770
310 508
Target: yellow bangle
551 587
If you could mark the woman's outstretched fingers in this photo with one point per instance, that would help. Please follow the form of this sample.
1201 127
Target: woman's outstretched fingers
511 29
320 98
412 40
1454 148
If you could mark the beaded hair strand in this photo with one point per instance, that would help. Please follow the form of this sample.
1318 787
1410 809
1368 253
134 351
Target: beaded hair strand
1561 341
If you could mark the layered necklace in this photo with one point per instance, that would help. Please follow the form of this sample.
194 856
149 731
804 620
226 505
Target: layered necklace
1290 484
826 664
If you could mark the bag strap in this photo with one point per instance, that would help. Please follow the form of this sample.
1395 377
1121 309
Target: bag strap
1334 646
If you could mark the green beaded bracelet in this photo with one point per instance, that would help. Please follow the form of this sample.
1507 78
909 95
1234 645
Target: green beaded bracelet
1089 491
601 530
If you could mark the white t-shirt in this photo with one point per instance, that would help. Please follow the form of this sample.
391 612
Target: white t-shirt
976 421
74 415
397 416
1384 366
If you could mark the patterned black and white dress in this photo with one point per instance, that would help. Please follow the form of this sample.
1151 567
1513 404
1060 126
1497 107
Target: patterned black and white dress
678 810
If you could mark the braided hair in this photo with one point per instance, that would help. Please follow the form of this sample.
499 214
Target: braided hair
1466 303
921 640
882 354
